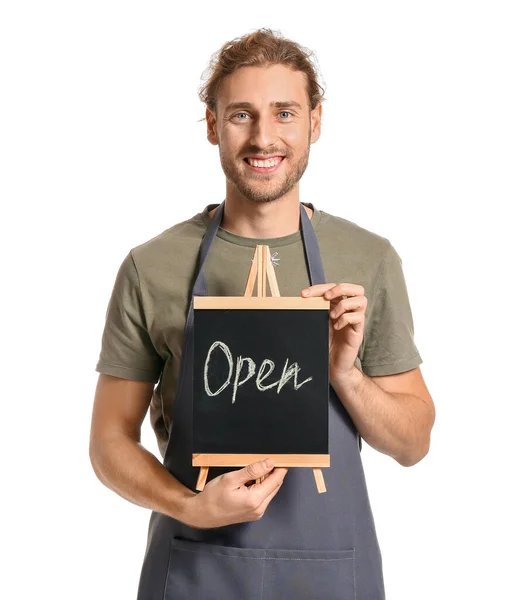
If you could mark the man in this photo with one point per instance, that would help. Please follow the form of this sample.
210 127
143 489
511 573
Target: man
240 538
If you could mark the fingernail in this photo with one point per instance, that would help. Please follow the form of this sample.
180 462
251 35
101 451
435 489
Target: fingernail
305 292
267 463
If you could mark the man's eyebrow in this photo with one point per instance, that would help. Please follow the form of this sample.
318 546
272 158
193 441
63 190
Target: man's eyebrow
277 104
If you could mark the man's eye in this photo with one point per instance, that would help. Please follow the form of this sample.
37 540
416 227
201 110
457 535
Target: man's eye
283 112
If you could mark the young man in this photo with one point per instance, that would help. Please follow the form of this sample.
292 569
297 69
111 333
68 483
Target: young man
277 538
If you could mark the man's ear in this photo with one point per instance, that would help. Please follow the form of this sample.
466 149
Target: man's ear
316 120
211 124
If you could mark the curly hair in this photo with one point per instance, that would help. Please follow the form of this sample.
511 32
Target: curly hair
260 48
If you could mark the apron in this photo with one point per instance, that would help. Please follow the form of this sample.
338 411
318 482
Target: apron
307 546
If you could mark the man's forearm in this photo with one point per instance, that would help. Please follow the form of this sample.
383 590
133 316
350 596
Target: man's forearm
398 425
129 469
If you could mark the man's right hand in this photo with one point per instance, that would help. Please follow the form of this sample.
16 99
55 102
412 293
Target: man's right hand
227 499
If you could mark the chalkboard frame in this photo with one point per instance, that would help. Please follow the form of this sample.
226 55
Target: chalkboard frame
253 303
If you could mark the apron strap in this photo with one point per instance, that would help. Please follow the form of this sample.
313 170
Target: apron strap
200 287
312 250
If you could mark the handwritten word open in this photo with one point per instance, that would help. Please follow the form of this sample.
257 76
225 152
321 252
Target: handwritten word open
266 368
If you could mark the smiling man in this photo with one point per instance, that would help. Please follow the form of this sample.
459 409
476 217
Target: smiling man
276 538
264 147
255 168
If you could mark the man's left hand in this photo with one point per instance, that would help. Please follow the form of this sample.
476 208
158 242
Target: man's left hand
346 323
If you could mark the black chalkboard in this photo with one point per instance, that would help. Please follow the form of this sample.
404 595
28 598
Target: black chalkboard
291 416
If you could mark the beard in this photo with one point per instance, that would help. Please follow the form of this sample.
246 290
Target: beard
263 187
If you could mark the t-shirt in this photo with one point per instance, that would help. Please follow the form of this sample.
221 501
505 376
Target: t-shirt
146 314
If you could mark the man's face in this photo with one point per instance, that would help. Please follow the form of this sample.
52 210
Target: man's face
249 124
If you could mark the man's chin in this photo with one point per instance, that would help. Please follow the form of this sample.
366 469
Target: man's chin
259 199
255 194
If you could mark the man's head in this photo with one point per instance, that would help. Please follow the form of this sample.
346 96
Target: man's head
263 101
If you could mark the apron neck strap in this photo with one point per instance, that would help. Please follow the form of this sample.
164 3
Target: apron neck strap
312 250
309 239
200 288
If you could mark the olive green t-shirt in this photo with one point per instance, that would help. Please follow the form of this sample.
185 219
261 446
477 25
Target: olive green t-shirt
146 315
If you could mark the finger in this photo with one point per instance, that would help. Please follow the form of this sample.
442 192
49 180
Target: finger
350 318
347 305
265 502
263 490
344 289
252 471
258 480
317 290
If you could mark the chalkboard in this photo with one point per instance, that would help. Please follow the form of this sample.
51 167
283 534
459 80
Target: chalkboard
260 376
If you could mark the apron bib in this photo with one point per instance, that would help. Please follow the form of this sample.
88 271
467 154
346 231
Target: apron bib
307 546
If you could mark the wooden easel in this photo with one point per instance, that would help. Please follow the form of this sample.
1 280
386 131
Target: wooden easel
262 269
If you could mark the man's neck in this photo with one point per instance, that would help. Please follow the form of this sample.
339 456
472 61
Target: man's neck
262 219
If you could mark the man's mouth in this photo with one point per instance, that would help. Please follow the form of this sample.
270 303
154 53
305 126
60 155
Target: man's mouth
268 165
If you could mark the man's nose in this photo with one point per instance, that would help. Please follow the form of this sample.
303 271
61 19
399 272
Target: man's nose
263 132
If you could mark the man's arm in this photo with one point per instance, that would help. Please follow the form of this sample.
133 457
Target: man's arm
393 413
117 456
125 466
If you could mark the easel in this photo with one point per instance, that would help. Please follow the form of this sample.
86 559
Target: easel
262 269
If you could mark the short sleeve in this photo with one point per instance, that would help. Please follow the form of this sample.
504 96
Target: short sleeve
126 347
389 346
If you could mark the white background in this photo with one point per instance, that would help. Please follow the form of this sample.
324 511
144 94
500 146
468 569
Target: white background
425 141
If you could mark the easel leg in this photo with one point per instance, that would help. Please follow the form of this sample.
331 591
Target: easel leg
319 478
201 481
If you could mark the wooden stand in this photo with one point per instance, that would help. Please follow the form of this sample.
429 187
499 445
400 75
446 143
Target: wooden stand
262 269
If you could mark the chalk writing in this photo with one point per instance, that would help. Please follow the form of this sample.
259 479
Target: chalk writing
290 371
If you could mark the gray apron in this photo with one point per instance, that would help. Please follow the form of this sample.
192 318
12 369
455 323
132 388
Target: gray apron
307 546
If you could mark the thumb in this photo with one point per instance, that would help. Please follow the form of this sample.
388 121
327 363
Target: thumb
255 470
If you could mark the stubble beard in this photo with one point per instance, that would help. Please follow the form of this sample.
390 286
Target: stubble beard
258 187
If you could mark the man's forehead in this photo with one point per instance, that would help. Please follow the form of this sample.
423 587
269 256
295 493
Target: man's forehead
275 86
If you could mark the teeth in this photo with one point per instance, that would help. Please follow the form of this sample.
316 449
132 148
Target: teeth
271 162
